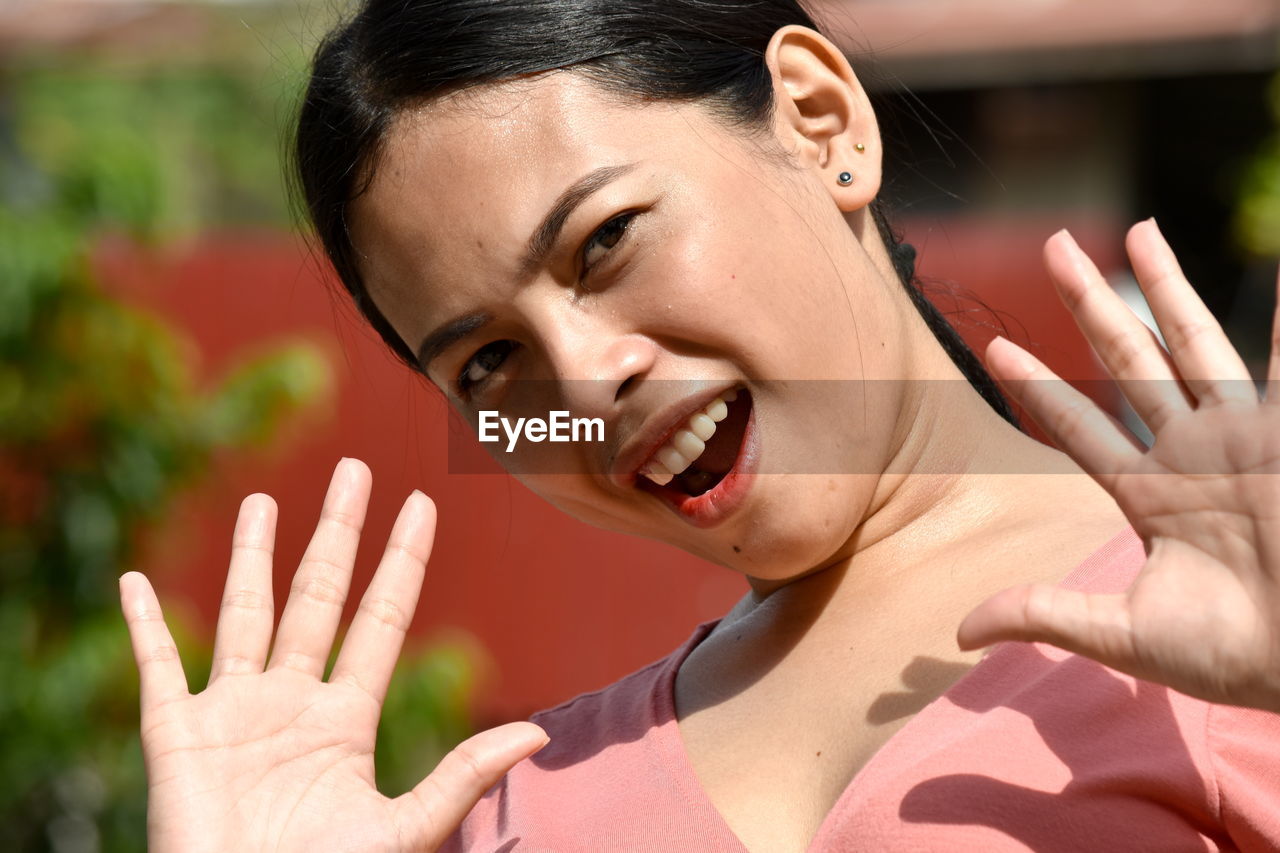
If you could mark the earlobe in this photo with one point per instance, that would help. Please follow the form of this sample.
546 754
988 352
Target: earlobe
823 115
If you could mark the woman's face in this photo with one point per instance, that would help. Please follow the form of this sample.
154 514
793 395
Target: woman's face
690 265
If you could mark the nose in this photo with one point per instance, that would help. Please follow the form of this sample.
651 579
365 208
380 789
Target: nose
600 369
625 359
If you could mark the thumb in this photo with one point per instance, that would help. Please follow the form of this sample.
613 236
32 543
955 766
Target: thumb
1093 625
429 814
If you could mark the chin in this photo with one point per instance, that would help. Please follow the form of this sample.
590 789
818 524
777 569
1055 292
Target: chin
778 536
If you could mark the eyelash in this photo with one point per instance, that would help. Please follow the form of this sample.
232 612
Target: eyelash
466 385
625 219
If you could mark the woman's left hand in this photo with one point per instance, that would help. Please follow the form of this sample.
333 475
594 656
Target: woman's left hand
1203 615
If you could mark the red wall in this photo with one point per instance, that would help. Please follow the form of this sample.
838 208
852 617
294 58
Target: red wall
559 607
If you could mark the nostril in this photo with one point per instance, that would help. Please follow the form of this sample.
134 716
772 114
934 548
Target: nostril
622 388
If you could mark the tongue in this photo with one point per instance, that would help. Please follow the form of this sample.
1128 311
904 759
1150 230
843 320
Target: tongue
695 481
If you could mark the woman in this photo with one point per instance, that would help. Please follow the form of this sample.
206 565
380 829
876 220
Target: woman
662 215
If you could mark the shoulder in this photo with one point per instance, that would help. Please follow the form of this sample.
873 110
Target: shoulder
608 764
623 706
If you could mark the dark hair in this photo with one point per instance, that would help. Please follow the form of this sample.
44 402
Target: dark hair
395 53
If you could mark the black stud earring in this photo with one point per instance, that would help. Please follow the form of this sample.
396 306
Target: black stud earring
844 178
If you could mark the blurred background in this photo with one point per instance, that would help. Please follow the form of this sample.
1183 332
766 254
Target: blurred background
169 344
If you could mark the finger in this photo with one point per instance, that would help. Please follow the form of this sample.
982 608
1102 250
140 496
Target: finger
1100 445
429 814
1206 360
319 590
1090 624
1130 351
1273 365
247 613
377 632
160 675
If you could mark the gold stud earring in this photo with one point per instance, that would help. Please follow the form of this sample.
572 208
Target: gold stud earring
860 147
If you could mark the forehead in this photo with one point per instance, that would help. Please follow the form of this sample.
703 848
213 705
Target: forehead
461 183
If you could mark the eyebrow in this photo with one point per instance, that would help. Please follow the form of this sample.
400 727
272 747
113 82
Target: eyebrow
447 335
548 231
540 243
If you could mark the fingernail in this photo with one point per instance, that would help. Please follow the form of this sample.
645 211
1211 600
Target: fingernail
255 526
1068 242
1014 353
348 469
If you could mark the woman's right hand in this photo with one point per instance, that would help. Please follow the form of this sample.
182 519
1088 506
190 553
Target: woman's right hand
271 758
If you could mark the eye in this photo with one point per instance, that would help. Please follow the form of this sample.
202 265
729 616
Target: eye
605 238
486 360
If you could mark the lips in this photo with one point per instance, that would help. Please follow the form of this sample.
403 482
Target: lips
713 473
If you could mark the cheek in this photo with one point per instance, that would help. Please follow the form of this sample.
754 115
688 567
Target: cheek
701 286
765 287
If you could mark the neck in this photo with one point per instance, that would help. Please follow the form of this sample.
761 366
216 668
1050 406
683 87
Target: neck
962 484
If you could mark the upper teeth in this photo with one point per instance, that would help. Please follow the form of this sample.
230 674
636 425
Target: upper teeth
688 442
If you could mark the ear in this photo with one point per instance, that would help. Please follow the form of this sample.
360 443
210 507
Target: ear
822 114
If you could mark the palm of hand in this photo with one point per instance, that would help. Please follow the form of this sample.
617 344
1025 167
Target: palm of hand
271 758
1203 610
1203 615
278 760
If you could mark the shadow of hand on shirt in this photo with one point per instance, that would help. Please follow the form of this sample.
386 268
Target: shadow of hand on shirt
1122 764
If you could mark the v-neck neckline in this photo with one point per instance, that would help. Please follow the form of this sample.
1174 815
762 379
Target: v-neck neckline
676 755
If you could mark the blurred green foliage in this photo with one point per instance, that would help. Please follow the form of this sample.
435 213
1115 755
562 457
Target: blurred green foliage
426 713
102 422
1258 214
171 148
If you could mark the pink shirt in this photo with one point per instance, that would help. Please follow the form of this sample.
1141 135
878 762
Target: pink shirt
1032 749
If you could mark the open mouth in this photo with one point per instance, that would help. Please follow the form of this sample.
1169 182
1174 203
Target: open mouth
701 453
